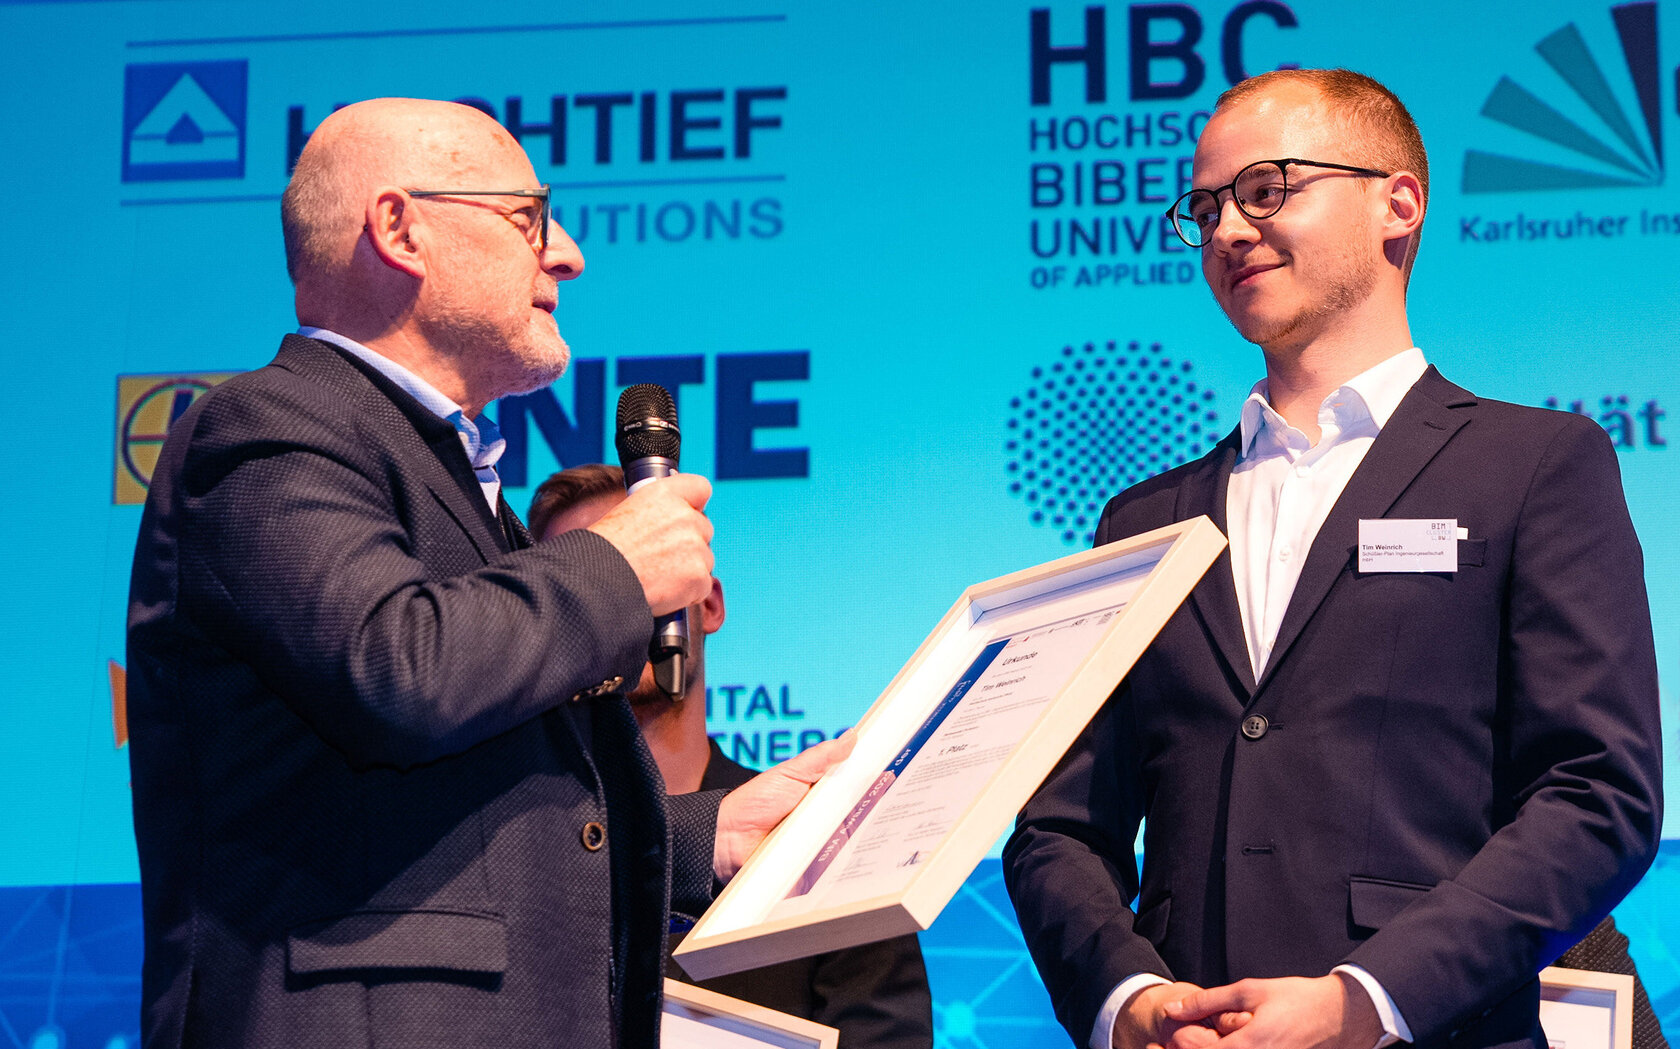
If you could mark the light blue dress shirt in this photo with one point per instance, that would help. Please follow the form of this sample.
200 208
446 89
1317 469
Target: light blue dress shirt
481 438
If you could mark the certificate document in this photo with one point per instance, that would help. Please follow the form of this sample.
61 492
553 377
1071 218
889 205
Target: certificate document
915 801
695 1018
955 744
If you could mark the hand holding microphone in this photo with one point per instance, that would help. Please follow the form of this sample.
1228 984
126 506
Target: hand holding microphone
661 531
659 528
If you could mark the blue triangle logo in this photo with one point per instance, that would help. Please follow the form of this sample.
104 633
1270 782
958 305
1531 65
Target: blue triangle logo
185 132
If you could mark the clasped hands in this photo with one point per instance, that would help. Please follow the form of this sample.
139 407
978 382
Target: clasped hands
1329 1012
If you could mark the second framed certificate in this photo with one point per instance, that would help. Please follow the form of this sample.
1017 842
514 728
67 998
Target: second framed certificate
949 753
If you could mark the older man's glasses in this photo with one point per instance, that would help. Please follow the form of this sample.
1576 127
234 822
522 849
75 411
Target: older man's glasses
536 232
1259 191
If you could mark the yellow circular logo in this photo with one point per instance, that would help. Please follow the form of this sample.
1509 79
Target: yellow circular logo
148 420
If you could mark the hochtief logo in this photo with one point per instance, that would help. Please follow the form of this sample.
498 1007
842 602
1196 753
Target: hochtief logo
1627 159
184 120
1100 418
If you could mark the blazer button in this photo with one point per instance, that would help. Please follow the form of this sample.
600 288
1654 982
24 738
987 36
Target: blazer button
1255 725
597 691
594 835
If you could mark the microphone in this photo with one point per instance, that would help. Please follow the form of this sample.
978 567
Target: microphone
649 445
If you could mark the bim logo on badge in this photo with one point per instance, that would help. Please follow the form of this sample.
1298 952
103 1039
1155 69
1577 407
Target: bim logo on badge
1620 155
1098 420
184 120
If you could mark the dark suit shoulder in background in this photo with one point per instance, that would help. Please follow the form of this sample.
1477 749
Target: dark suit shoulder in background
1605 950
876 995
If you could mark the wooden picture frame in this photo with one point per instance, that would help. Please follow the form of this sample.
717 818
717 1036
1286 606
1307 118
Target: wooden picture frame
695 1018
849 866
1586 1009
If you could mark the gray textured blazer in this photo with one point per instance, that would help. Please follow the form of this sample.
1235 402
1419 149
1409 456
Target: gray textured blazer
385 793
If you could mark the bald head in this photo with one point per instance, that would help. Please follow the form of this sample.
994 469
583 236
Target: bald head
409 142
418 229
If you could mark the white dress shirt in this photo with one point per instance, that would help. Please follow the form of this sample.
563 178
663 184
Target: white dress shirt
1283 487
1280 492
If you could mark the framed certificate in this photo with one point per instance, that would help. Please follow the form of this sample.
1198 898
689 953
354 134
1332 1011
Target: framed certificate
695 1018
1585 1009
948 754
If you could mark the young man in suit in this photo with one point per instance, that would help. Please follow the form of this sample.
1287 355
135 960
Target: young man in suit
875 995
1378 801
387 790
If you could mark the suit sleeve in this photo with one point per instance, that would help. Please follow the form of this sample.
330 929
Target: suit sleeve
693 822
1579 768
1072 876
295 558
1070 866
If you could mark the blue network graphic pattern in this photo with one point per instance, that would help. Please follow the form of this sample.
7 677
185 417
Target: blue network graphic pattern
987 994
70 967
70 964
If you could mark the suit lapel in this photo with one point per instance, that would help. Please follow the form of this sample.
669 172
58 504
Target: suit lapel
1425 420
461 494
436 456
1215 597
518 536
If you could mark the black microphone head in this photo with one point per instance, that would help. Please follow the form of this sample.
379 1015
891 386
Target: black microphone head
647 424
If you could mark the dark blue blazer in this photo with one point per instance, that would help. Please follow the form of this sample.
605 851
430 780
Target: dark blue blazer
1446 778
385 793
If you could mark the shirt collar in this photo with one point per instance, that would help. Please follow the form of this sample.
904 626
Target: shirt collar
1373 394
482 440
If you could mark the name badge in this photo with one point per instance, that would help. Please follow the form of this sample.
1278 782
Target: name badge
1409 544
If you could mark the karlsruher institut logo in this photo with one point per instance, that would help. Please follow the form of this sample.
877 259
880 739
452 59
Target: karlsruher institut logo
1624 149
1101 417
184 120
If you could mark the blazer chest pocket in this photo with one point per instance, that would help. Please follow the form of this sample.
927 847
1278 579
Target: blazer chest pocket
431 940
1471 554
1373 902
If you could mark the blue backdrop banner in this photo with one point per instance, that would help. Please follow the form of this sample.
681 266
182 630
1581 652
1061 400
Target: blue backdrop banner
901 266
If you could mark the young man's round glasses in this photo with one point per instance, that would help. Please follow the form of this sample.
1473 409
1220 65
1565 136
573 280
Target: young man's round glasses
1259 191
537 236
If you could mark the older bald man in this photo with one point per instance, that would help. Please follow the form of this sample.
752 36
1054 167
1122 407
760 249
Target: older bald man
386 789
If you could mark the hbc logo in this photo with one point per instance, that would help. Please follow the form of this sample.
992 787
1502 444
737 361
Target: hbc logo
184 120
1163 59
1099 180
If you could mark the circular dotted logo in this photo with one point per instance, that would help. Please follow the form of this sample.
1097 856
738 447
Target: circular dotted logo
1099 419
